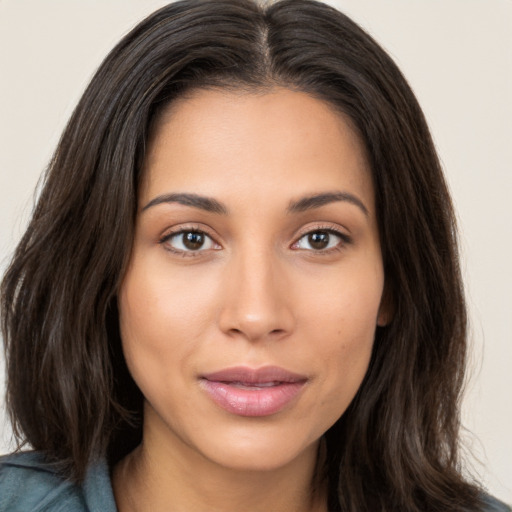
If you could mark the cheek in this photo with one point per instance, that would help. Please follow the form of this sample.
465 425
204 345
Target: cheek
343 307
345 356
162 320
342 321
158 306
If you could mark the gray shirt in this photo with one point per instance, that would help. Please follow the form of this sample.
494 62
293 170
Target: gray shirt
27 484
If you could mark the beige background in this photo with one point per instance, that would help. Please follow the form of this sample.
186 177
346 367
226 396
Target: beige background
457 55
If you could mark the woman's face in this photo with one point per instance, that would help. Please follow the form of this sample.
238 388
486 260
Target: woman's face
249 307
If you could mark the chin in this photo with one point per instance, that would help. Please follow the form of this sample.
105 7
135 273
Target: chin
260 450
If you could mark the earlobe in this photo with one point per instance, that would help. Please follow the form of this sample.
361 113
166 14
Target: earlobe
383 319
386 308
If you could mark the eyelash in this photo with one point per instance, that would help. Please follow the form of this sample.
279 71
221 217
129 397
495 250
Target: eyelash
184 253
344 240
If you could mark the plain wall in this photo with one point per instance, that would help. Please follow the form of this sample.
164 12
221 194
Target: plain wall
456 54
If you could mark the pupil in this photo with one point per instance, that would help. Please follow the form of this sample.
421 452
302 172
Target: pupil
319 240
193 241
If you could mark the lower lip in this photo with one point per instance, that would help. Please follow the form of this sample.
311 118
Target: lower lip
257 401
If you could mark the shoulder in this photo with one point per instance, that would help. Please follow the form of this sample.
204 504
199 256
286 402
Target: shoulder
29 484
493 505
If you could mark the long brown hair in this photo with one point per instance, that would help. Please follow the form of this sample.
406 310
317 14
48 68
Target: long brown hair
69 393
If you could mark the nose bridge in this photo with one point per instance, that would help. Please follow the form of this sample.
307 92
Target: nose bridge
255 302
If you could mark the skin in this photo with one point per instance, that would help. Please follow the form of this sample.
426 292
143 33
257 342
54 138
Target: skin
256 293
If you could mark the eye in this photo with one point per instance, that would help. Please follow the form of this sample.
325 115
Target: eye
320 240
188 241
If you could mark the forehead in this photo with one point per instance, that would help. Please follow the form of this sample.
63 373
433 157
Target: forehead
215 140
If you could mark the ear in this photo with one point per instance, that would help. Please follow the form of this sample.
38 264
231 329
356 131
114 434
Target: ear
387 307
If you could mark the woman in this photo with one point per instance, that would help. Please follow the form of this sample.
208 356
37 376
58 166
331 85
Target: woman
240 282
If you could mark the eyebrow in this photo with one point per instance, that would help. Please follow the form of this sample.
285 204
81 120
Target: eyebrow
324 198
196 201
301 205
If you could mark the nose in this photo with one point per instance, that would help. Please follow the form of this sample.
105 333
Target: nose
256 301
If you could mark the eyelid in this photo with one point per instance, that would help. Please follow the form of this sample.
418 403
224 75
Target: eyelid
323 226
192 228
329 228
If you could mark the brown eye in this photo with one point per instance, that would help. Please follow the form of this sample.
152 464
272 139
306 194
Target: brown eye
189 241
319 239
193 240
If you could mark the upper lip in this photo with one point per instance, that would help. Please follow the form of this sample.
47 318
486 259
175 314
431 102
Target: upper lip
254 375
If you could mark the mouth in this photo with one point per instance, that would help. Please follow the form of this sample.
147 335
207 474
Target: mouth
253 392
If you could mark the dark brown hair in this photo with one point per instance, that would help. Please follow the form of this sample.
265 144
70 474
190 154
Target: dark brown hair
69 393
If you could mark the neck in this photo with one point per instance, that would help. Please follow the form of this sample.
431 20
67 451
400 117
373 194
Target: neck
160 478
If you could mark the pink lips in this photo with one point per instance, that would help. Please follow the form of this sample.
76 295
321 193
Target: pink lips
249 392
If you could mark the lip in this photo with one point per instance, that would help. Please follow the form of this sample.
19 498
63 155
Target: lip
246 391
